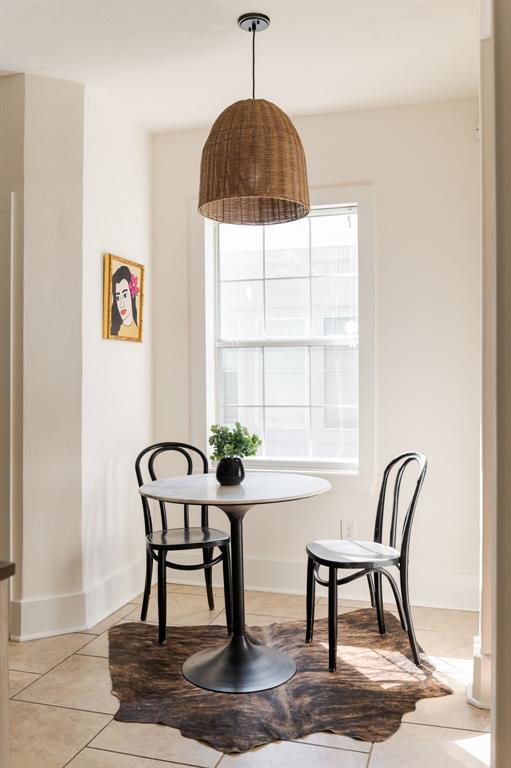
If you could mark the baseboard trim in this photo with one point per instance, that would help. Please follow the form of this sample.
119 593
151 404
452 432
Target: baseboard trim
106 596
428 588
50 615
479 692
79 611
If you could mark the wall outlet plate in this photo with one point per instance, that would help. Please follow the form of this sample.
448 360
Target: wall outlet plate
348 529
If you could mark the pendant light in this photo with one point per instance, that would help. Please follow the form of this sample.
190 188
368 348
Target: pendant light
253 167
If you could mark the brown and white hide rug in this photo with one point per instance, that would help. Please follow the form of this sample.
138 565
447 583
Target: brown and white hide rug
376 683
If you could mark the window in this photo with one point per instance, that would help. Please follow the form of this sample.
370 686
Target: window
287 336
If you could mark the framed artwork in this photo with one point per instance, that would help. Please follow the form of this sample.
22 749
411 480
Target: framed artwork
123 298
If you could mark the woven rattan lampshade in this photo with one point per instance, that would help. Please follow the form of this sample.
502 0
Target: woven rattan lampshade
253 167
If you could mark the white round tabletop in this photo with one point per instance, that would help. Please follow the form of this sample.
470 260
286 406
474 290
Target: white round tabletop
257 488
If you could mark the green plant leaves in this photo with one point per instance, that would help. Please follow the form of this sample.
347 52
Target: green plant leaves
233 443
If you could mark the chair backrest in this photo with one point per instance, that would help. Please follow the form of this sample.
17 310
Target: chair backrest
145 471
399 465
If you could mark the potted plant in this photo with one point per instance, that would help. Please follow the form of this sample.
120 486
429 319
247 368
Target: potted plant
229 447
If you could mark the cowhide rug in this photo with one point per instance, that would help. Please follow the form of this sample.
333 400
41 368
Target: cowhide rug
376 683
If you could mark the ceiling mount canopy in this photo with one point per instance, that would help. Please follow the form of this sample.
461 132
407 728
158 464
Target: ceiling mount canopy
253 167
247 21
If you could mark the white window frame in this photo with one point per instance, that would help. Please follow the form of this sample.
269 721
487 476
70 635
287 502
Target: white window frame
203 353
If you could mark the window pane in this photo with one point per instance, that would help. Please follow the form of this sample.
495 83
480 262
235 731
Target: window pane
287 432
286 249
334 244
241 310
334 306
240 252
241 376
334 376
334 433
286 376
298 280
251 418
287 308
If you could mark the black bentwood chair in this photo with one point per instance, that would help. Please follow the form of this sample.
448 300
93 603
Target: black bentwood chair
160 543
369 559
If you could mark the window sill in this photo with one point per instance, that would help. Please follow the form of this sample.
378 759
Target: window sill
343 481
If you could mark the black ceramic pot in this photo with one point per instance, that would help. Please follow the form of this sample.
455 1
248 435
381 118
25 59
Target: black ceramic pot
230 472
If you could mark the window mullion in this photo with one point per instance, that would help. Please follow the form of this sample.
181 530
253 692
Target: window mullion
310 278
264 282
309 348
264 336
218 371
317 341
218 351
310 401
264 399
217 279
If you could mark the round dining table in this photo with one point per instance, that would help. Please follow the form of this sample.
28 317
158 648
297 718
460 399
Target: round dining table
240 666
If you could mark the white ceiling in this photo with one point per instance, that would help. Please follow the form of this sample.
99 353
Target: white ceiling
177 63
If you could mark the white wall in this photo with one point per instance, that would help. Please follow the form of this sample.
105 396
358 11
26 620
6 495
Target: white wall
117 377
83 169
422 161
51 386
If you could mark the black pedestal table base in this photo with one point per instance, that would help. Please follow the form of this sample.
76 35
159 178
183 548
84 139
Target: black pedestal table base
241 666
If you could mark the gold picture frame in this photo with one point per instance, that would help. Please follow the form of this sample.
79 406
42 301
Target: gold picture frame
123 298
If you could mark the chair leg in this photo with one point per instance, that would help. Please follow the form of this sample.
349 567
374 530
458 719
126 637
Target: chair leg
311 594
332 619
371 590
378 588
207 555
408 614
162 597
147 587
397 598
226 565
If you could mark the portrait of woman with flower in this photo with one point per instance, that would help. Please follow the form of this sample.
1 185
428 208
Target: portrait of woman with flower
122 299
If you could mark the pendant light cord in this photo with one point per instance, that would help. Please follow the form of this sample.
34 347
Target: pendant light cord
253 58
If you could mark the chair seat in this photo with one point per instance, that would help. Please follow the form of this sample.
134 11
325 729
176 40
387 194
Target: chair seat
345 553
187 538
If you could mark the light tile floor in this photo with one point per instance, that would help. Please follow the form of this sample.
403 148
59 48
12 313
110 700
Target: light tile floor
62 708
